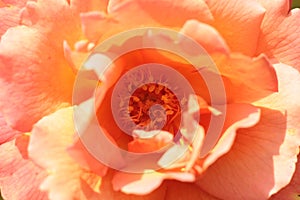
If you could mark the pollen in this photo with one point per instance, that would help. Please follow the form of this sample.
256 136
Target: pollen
151 94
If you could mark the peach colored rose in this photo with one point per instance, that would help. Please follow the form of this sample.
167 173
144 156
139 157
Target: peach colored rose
254 44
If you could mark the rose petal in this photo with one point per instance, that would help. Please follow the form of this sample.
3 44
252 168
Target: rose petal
175 12
6 132
246 79
74 58
155 143
89 5
286 102
83 157
206 36
55 19
40 74
280 32
20 178
50 138
119 16
107 192
185 191
237 116
18 3
255 73
239 173
2 4
10 17
292 190
145 183
238 22
265 152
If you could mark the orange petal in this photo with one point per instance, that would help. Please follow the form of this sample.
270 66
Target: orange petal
267 151
48 147
35 84
206 36
2 4
107 192
18 3
256 73
41 73
10 17
237 116
74 58
93 23
175 12
239 173
238 22
155 143
292 190
89 5
6 132
20 178
186 191
119 16
142 184
55 19
249 78
280 32
84 158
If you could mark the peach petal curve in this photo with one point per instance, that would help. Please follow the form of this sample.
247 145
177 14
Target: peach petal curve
237 116
89 5
119 16
280 32
268 151
6 132
142 184
207 36
238 22
175 13
18 3
292 190
75 57
287 102
107 192
10 17
40 74
255 73
155 143
56 19
20 178
84 158
50 139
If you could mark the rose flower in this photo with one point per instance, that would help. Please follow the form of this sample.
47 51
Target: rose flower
59 90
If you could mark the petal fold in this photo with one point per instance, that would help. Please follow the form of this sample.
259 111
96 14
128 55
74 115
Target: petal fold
238 22
40 74
206 36
48 148
6 132
20 178
280 31
145 183
119 16
10 17
268 151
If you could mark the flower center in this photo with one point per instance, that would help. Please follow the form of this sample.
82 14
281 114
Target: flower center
153 105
